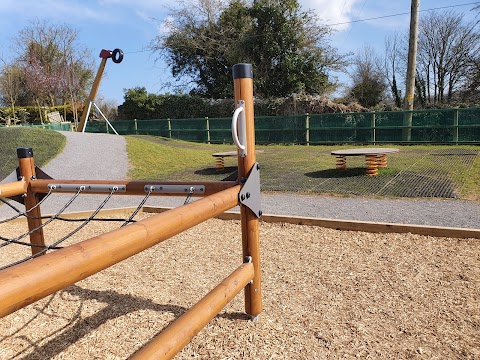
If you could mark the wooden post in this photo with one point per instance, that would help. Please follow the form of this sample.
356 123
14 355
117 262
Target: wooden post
243 88
178 334
411 69
93 93
27 171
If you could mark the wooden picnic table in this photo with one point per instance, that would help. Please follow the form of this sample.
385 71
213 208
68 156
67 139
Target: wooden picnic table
374 157
220 158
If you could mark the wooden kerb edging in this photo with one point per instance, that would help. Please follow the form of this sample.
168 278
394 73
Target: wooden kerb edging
347 225
34 279
351 225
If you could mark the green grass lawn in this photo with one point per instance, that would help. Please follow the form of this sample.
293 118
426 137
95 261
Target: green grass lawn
416 171
46 144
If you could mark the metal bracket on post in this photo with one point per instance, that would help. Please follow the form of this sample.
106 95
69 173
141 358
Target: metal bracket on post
87 188
175 189
250 195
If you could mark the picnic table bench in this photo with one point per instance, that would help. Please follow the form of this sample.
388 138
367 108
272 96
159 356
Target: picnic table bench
374 157
220 158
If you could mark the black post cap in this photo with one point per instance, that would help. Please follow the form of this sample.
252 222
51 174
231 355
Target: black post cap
24 152
242 71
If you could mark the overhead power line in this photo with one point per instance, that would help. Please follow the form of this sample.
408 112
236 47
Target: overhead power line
358 15
405 13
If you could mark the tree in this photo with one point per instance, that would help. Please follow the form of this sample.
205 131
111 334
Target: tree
446 46
287 47
51 68
10 86
368 82
470 92
138 104
393 66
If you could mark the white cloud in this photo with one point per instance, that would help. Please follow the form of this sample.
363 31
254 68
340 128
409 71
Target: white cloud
333 11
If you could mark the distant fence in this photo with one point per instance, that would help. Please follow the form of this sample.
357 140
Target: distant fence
63 126
439 126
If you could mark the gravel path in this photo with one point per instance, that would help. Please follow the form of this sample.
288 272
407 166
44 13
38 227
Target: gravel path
103 156
435 212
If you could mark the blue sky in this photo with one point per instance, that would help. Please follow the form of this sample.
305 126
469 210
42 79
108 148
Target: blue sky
131 25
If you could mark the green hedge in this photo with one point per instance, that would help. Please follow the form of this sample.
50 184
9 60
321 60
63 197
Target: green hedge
139 104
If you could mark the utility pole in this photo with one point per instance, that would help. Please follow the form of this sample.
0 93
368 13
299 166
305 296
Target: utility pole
411 70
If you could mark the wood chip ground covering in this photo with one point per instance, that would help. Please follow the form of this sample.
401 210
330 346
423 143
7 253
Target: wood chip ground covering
327 294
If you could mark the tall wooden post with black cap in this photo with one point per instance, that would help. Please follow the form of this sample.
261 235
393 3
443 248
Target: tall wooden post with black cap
117 57
243 88
27 171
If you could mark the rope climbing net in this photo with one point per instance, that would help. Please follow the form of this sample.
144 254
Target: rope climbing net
48 219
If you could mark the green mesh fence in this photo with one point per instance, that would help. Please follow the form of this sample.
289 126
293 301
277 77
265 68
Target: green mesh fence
220 130
189 129
440 126
64 126
280 129
341 128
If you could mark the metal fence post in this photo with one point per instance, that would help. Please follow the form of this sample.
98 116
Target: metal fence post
373 128
136 126
208 129
169 128
307 126
455 126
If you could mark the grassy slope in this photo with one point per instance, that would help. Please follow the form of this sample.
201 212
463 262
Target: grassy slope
157 160
46 144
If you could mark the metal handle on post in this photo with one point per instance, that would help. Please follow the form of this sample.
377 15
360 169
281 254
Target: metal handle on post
240 136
